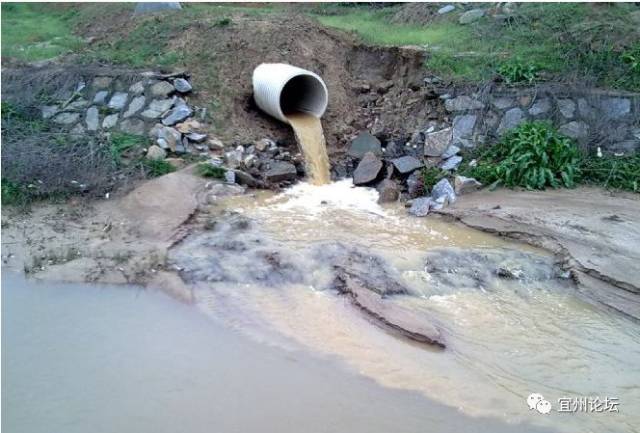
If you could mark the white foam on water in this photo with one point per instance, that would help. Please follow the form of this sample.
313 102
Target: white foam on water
306 198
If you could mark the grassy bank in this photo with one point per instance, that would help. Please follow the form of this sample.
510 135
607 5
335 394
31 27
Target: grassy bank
597 43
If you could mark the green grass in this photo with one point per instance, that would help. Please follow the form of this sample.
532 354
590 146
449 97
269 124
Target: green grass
121 144
155 168
206 169
612 172
569 40
32 31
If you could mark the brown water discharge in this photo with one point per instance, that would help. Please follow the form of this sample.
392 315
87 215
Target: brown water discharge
308 130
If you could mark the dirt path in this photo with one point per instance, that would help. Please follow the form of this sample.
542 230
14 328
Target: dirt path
121 240
596 234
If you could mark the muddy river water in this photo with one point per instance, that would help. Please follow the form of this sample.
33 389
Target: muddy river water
275 347
505 337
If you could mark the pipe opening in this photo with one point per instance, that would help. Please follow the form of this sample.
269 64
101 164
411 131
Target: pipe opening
303 93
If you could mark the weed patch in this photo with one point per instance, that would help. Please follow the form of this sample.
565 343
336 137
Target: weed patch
206 169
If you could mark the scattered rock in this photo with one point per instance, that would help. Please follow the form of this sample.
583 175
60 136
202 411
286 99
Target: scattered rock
182 85
471 16
78 104
161 89
406 164
188 126
230 176
169 136
118 100
540 107
101 97
503 102
176 115
244 178
110 121
234 158
451 151
388 191
102 82
215 144
135 105
463 103
615 108
66 118
132 126
49 111
137 88
443 189
511 119
78 129
463 129
420 206
155 153
452 163
280 171
92 119
463 185
367 170
363 143
435 143
157 108
446 9
264 144
415 184
576 130
196 137
567 108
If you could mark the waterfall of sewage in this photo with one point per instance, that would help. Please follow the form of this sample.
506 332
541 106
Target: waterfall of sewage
308 131
267 267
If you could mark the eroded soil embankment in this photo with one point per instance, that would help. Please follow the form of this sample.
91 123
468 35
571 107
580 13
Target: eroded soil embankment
594 232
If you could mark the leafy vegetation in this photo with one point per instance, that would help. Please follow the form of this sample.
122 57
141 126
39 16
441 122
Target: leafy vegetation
206 169
612 172
533 155
158 168
122 144
518 72
431 176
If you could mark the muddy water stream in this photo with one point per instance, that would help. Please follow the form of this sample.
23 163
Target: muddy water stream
308 131
510 319
82 358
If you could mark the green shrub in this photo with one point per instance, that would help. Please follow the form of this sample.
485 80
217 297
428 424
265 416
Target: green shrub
621 172
518 72
533 155
153 168
121 144
206 169
12 193
431 176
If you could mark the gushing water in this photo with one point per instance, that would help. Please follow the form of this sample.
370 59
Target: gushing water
308 131
505 337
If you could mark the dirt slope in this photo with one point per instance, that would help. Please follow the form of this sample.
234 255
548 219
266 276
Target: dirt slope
595 232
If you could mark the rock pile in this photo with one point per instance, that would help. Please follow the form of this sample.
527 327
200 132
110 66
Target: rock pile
155 104
395 169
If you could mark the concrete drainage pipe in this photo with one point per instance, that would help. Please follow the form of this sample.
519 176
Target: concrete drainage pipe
280 89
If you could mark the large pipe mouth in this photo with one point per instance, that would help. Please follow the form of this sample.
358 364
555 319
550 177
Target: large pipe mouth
280 90
303 93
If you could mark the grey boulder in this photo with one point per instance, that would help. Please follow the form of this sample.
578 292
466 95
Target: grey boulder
367 170
176 115
363 143
406 164
443 189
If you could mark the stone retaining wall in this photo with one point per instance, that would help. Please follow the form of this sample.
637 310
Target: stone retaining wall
593 118
113 103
